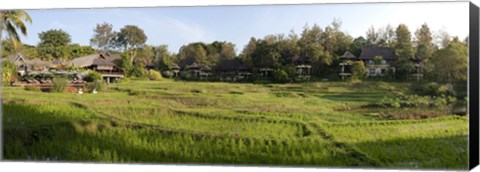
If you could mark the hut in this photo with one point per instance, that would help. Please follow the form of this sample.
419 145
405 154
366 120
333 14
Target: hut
303 66
194 69
205 72
346 64
175 69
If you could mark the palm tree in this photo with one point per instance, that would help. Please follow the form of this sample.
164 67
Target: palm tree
11 21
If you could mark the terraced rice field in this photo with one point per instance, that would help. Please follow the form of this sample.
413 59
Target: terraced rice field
312 124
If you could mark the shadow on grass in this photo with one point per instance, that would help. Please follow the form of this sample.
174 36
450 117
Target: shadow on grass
105 141
446 153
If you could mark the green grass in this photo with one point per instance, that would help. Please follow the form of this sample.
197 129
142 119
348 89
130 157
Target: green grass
314 124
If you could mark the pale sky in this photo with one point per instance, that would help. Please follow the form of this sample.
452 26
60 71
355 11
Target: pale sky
177 26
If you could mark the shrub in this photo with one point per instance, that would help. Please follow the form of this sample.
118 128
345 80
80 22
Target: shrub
434 89
378 59
59 84
93 76
167 74
154 75
9 72
281 76
358 70
125 80
32 88
412 114
97 85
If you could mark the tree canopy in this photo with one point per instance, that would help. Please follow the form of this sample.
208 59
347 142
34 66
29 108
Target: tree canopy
12 21
103 37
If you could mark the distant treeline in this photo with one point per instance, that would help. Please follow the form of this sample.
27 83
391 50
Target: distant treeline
444 57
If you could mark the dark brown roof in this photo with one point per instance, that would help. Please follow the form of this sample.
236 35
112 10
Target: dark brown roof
232 65
299 60
194 66
95 59
369 52
175 66
206 68
111 57
348 55
102 62
416 59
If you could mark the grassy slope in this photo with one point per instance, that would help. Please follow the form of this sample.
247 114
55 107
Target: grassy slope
195 122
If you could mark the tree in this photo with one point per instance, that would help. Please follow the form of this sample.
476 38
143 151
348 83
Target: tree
194 52
312 49
358 70
266 53
403 42
130 38
450 63
424 42
76 50
386 36
11 21
162 58
372 36
54 44
404 51
442 38
145 55
227 51
425 47
357 45
103 37
54 37
248 50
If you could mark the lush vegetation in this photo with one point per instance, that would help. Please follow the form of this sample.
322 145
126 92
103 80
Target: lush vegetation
320 124
443 60
354 123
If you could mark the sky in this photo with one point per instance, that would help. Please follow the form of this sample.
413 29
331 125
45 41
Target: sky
177 26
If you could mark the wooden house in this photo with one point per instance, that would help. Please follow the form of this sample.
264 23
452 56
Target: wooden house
102 63
378 68
233 70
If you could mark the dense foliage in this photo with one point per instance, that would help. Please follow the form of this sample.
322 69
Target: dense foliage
59 84
93 76
317 46
154 75
9 72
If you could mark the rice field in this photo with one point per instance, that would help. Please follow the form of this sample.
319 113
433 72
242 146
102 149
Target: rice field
310 124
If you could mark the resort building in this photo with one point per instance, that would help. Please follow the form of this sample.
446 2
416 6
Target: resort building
303 67
102 63
233 70
25 65
379 61
346 64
